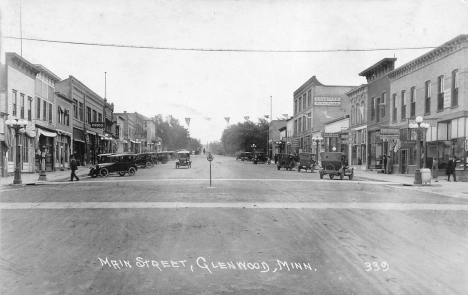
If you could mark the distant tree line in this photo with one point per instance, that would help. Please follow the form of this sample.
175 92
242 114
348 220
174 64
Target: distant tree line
173 135
242 136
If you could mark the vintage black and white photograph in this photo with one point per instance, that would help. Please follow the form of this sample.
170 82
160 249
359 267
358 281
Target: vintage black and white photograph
233 147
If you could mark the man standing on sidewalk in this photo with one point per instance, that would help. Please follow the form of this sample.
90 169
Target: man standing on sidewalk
73 167
451 170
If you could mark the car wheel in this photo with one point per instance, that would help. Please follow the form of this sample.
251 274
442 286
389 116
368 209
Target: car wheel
131 171
331 176
121 173
149 164
321 175
104 172
351 175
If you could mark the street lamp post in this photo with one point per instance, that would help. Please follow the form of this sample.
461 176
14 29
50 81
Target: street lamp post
317 141
419 127
17 125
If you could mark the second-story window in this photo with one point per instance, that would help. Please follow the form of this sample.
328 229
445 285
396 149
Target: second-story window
309 123
352 115
94 116
15 102
413 102
50 113
455 88
22 105
38 107
300 103
383 101
394 113
295 107
88 114
309 98
304 102
59 115
44 110
300 125
75 109
30 108
427 97
403 105
373 109
99 117
361 109
440 93
81 111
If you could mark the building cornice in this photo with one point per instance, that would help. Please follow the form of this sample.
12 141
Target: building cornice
311 82
450 47
51 75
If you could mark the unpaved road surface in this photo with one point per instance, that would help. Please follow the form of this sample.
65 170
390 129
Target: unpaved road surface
257 230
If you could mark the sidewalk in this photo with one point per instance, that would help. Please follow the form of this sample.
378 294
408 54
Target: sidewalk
454 189
32 178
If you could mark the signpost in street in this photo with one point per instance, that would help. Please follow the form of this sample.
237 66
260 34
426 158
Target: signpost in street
210 158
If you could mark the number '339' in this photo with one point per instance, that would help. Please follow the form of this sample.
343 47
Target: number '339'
375 266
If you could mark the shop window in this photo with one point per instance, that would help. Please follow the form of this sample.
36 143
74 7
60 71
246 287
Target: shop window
459 152
413 102
403 105
455 88
427 100
15 102
440 93
24 148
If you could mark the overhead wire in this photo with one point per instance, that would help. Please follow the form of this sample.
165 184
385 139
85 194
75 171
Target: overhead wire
224 50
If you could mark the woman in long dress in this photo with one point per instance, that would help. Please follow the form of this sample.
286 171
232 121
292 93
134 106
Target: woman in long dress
435 169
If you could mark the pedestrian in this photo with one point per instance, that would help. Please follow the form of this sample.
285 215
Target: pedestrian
73 167
451 170
203 151
276 158
385 164
435 169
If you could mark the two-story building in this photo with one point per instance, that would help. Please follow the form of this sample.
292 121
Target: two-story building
378 111
19 80
130 143
151 139
315 104
275 142
64 129
118 131
435 87
357 123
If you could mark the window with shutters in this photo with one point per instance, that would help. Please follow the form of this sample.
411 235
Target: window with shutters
44 110
394 108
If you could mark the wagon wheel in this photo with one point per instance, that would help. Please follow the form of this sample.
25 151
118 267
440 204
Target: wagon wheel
331 176
351 175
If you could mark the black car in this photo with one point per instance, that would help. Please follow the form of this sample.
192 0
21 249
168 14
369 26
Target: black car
118 163
260 157
144 160
100 159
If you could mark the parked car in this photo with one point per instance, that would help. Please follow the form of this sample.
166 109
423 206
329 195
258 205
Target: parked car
306 161
144 160
246 156
163 157
335 163
260 157
285 161
183 159
118 163
100 159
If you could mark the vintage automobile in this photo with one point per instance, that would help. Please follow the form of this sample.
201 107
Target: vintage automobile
164 157
285 161
144 160
260 157
306 161
335 163
118 163
101 158
183 159
246 156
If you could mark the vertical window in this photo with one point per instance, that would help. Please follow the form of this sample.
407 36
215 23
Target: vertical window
295 126
403 105
394 114
300 104
309 123
38 108
75 109
24 148
309 98
304 122
362 112
68 117
413 102
295 107
383 102
455 88
59 115
15 102
373 109
30 108
440 93
99 117
299 128
44 110
352 115
22 105
94 116
304 101
81 111
88 114
50 113
427 97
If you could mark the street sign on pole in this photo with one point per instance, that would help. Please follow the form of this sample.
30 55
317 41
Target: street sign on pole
210 158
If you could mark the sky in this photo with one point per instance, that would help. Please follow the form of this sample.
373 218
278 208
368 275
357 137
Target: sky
248 76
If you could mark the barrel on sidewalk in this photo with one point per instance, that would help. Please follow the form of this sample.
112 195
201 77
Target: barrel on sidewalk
426 175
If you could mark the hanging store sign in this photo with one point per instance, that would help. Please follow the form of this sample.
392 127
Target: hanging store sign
98 125
327 101
331 135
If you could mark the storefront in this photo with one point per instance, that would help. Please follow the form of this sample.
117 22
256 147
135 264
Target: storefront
46 146
62 147
79 149
331 141
378 149
26 144
359 150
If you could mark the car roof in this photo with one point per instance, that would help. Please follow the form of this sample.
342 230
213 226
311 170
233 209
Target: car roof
119 155
100 155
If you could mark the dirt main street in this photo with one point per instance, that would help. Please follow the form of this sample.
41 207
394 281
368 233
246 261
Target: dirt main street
256 231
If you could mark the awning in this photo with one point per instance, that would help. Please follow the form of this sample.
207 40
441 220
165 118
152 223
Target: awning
90 132
64 132
46 133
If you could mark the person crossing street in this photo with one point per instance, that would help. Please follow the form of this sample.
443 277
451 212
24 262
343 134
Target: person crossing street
73 167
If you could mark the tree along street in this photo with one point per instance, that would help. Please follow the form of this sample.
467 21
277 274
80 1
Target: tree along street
164 231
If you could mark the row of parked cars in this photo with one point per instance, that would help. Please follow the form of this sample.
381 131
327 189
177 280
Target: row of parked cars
126 163
254 157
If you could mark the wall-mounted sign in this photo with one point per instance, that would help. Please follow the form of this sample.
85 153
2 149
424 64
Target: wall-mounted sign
406 144
327 101
98 125
389 131
331 135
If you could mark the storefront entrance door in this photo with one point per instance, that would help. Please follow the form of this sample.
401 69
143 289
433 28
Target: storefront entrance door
404 166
